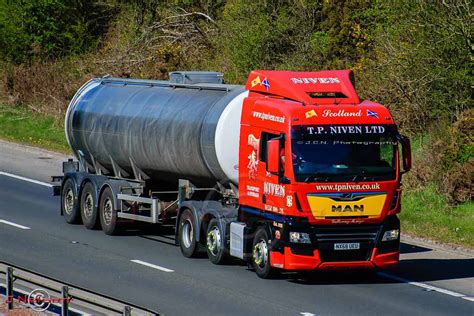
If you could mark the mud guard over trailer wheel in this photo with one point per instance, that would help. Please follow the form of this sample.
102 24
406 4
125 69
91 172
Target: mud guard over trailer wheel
69 205
261 254
88 206
187 234
108 213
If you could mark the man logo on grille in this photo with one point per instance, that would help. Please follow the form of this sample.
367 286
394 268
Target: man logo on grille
347 208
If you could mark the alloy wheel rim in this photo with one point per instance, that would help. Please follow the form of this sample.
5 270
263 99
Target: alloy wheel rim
88 205
108 211
187 233
214 241
260 253
69 202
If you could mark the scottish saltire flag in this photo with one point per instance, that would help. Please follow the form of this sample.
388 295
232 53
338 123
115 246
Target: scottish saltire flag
266 84
372 113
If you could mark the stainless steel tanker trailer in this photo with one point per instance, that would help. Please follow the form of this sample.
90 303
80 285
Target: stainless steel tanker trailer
144 147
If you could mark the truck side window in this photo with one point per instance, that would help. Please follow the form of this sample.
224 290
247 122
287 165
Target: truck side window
264 137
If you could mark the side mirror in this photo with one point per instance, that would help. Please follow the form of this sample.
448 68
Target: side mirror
406 154
285 180
273 156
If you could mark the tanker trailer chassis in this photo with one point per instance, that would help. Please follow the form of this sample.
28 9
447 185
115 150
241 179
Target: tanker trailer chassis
97 197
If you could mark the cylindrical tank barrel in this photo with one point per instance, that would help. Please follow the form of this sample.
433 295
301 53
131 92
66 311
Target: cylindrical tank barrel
168 130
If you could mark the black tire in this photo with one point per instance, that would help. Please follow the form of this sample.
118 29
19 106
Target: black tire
69 207
215 243
88 206
187 235
108 214
261 255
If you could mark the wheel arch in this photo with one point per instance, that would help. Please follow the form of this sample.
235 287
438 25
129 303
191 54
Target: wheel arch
114 186
206 219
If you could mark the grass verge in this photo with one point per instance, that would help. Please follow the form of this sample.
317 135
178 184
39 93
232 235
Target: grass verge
425 213
22 125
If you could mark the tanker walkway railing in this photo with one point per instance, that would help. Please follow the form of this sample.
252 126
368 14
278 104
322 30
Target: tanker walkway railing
42 293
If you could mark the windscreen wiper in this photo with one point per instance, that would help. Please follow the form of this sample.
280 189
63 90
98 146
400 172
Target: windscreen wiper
317 177
362 174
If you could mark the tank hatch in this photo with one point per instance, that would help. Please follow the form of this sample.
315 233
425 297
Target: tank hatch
193 77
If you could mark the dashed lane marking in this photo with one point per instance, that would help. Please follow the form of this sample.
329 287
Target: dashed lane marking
154 266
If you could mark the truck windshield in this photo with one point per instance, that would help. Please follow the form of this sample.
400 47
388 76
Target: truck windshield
344 153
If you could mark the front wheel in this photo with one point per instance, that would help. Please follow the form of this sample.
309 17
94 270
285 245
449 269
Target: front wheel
215 242
261 254
186 235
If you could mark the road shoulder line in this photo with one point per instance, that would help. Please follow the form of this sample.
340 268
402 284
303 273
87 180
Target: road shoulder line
426 286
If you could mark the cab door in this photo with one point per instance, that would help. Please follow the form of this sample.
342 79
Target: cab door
259 188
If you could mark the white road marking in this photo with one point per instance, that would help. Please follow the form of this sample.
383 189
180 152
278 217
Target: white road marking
154 266
426 286
307 314
13 224
26 179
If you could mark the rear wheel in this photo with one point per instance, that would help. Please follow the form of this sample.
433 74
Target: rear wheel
108 213
88 205
69 203
186 234
215 242
261 254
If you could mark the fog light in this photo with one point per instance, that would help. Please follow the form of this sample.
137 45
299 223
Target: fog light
391 235
302 238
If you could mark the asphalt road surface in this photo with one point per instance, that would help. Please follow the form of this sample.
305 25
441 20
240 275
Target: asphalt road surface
429 281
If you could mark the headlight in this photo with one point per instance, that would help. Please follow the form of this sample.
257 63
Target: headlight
302 238
391 235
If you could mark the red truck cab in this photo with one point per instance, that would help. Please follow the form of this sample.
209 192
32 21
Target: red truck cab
323 170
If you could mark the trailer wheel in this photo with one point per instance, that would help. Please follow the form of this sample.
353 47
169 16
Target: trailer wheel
69 203
88 207
261 255
215 242
186 235
108 214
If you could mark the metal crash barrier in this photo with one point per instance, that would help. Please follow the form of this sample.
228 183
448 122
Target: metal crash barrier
42 293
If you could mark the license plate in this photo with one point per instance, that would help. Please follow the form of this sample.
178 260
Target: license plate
347 246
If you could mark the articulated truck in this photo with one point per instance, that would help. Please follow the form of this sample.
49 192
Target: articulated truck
292 171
